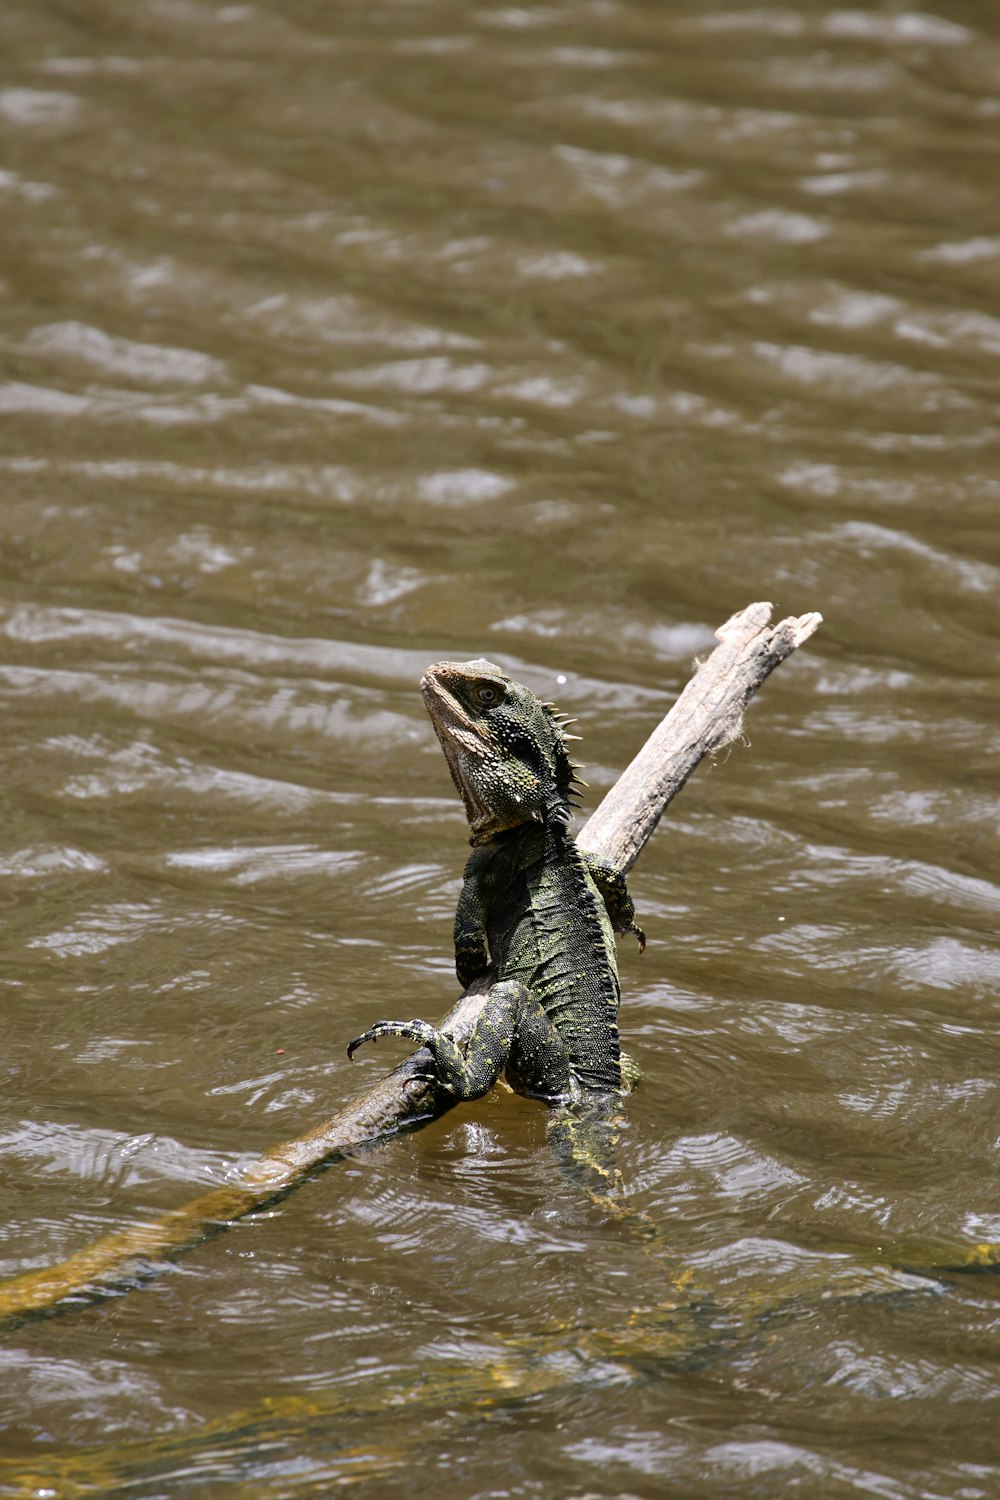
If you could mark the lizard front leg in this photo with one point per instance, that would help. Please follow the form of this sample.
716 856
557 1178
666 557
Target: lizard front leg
470 1075
614 892
472 954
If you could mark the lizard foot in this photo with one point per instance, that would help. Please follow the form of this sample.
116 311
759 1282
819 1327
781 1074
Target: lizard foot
640 935
417 1031
449 1071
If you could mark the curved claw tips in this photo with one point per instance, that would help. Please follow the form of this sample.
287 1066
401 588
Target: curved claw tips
359 1041
641 936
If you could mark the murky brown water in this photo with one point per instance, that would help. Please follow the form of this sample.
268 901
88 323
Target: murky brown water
338 338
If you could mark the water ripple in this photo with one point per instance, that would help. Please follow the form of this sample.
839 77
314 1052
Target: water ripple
342 339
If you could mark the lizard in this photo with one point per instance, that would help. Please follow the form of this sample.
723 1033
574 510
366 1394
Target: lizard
536 911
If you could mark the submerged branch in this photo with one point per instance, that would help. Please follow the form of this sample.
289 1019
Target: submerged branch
708 714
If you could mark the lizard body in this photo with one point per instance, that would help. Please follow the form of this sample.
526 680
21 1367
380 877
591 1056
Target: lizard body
536 910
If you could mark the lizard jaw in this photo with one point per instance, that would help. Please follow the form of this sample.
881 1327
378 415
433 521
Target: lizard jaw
462 740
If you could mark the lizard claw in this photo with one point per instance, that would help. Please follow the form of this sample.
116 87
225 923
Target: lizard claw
421 1076
417 1031
371 1035
640 935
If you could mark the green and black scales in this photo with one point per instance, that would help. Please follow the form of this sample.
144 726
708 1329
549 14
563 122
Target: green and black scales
535 909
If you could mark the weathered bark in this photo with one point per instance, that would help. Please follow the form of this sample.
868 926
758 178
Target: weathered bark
708 714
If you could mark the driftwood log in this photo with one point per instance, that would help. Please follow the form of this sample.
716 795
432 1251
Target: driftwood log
707 715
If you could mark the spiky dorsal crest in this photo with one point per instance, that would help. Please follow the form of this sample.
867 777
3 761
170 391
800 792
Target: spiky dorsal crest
568 781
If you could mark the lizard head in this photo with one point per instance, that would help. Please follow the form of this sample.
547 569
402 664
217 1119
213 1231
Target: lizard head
505 749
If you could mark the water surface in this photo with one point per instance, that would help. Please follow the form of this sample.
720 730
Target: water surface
338 339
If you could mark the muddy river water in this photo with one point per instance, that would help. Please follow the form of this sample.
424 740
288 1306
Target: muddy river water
339 338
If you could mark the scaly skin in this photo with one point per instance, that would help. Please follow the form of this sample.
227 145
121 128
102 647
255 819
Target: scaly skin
536 909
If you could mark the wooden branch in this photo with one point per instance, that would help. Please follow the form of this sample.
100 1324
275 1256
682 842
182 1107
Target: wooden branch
708 714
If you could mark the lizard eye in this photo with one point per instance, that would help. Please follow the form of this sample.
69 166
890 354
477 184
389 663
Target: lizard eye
487 694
